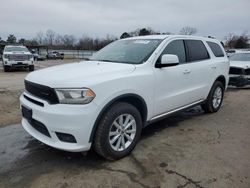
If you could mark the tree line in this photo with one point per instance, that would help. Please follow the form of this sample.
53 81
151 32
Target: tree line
54 40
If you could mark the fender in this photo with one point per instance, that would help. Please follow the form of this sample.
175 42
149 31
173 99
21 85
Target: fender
119 98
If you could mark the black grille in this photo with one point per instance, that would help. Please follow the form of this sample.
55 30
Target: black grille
42 92
237 71
39 127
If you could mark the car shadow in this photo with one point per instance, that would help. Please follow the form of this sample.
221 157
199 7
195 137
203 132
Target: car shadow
21 69
237 89
40 151
35 158
171 121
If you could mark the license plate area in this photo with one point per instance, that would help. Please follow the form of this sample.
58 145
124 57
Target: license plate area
27 113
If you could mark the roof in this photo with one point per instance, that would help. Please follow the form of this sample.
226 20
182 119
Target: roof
148 37
19 45
162 37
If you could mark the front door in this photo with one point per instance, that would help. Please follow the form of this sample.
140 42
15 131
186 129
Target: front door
173 83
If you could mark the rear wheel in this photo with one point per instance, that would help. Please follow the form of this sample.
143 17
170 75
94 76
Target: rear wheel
214 99
118 131
31 67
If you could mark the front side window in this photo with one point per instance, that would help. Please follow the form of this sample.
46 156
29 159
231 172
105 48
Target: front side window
196 50
132 51
176 48
216 49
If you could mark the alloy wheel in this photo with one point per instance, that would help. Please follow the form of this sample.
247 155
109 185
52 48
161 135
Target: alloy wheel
122 132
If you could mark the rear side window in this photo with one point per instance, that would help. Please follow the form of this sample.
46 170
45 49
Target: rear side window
176 48
196 50
216 49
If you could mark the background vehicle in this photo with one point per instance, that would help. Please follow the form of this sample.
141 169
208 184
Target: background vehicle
240 69
16 57
37 57
55 55
105 102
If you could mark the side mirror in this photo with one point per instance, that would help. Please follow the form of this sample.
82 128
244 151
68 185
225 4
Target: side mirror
168 60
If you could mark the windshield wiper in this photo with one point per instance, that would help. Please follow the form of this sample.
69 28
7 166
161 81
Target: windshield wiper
105 60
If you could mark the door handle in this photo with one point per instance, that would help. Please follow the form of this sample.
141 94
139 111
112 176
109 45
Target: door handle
186 71
213 67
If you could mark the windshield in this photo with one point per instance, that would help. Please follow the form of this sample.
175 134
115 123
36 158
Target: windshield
16 49
240 57
133 51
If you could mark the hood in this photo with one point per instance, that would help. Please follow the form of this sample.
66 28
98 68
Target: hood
240 64
82 74
18 53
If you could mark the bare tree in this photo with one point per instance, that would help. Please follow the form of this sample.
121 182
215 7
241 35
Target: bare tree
58 40
68 40
235 41
40 37
50 37
87 43
188 31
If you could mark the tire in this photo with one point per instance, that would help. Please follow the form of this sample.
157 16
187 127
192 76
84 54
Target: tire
215 98
31 68
6 68
122 146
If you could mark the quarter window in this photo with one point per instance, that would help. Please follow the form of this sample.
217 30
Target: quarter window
176 48
196 50
216 49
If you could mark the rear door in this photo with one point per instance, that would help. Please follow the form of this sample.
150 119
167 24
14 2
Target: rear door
201 67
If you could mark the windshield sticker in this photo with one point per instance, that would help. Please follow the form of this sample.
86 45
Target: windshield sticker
142 41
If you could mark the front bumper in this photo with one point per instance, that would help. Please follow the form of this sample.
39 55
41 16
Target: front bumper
17 63
239 80
75 120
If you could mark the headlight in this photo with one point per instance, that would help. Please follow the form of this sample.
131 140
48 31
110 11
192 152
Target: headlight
75 96
30 57
6 56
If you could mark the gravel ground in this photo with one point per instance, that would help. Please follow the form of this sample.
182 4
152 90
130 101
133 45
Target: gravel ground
189 149
11 86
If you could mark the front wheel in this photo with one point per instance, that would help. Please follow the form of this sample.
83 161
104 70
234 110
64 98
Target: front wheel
215 98
6 68
118 131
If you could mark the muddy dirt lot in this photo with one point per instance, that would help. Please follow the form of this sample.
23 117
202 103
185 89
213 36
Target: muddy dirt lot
190 149
11 86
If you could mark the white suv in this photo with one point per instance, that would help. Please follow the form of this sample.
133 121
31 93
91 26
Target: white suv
107 101
17 56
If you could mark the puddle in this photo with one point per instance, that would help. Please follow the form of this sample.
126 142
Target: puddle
12 141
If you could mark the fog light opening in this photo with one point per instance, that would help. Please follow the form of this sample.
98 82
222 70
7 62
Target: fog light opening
66 137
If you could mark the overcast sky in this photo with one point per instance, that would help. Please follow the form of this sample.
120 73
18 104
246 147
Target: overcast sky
97 18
